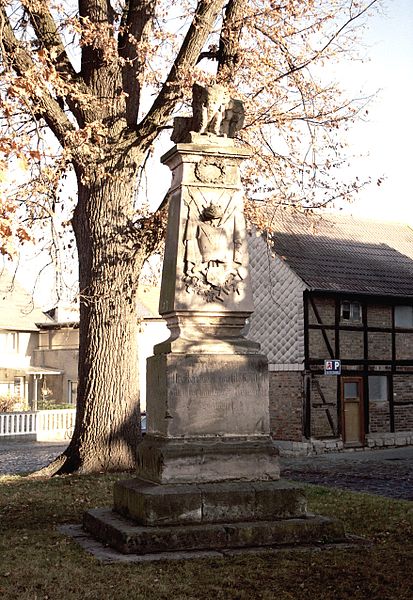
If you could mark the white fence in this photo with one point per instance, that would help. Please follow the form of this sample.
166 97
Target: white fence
45 425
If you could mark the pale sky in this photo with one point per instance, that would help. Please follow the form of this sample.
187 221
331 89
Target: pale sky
387 137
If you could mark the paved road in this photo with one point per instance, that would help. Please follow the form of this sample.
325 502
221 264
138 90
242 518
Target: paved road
385 472
24 456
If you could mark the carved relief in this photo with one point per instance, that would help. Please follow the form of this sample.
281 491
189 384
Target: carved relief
209 171
213 254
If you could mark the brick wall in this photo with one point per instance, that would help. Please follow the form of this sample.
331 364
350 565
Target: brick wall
379 346
320 425
286 405
403 388
404 346
351 344
379 316
326 310
403 418
379 413
317 344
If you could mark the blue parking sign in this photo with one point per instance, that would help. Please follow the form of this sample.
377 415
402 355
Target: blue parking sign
332 367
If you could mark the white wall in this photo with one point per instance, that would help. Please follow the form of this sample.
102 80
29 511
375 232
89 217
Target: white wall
152 333
20 356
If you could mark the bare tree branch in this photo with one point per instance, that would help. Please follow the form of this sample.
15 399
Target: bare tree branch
228 52
293 67
135 27
48 37
44 105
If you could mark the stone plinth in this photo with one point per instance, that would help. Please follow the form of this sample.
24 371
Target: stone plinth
154 505
207 395
201 460
208 421
129 538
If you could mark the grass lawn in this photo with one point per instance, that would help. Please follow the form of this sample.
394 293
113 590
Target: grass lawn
37 562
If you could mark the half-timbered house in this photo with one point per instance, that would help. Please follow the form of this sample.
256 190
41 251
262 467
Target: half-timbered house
334 314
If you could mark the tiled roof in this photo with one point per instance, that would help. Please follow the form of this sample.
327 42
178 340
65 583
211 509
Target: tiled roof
346 254
17 311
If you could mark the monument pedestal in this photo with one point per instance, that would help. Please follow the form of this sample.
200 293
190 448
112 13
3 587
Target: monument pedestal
208 473
210 420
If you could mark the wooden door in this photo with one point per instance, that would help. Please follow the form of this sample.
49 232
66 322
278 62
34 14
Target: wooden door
352 410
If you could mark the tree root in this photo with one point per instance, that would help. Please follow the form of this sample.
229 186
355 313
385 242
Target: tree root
68 463
54 468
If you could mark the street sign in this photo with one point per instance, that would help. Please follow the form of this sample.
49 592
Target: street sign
332 367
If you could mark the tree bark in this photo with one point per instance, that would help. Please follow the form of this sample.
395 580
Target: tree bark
107 428
229 42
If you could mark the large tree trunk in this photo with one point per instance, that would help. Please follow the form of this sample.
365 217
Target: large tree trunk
107 428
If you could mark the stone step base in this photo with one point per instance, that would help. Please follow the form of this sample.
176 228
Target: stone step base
221 502
127 537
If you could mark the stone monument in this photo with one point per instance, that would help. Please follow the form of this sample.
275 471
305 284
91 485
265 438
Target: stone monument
208 473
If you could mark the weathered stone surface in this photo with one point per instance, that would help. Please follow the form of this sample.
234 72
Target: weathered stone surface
278 500
203 460
154 505
210 276
215 115
227 502
207 395
309 529
150 504
130 538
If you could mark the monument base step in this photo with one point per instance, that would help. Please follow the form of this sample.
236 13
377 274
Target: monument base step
127 537
173 461
220 502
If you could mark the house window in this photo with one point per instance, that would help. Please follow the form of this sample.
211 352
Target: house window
403 316
378 388
350 311
19 387
9 342
14 341
72 392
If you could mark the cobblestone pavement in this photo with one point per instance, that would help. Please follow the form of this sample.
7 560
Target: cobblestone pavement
386 472
25 457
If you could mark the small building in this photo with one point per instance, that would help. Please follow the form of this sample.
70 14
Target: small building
21 378
334 314
39 351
